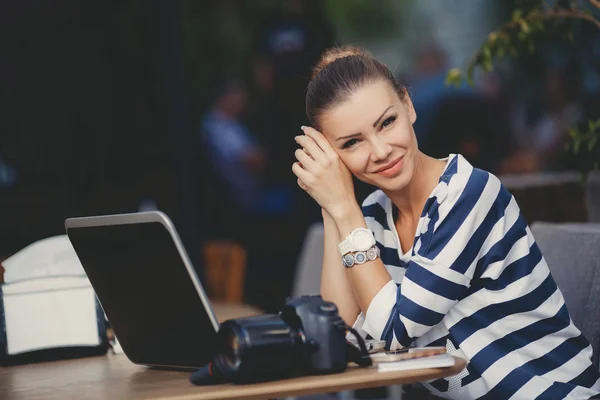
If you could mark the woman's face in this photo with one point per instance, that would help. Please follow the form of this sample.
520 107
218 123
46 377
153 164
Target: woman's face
373 134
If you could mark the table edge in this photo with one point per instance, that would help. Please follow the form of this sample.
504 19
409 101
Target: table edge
299 388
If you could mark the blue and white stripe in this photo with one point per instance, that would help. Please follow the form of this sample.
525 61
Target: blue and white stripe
476 282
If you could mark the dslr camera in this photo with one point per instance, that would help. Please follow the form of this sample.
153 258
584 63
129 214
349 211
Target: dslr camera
307 337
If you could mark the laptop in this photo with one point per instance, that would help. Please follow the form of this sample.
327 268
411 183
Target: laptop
147 287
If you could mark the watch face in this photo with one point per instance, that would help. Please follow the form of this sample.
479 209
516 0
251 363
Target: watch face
348 260
372 253
362 239
360 257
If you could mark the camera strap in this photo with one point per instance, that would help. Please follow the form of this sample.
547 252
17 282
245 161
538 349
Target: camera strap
359 356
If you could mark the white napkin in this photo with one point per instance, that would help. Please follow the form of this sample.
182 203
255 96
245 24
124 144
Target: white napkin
50 257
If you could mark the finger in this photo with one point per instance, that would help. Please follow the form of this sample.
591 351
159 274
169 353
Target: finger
301 173
307 163
302 185
307 153
312 149
320 139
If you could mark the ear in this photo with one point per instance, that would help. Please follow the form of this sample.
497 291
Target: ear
410 109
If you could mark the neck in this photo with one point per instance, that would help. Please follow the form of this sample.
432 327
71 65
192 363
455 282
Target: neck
411 199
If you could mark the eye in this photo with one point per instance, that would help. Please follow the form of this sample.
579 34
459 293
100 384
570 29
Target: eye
389 121
350 143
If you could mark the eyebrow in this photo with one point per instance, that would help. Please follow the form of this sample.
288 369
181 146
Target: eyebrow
348 137
381 116
374 125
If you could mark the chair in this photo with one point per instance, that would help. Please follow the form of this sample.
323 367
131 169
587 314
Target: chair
548 196
2 258
572 251
224 270
310 261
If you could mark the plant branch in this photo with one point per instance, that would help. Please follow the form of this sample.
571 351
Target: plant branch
555 14
550 14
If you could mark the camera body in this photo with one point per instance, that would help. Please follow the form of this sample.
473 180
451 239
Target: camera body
307 337
324 332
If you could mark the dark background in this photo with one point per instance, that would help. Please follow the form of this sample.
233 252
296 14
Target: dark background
101 103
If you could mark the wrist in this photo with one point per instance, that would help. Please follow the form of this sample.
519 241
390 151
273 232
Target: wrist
348 219
328 222
344 211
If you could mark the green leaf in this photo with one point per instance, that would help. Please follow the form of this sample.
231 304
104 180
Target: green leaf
592 125
524 26
487 53
592 143
538 25
576 145
517 14
500 52
487 65
453 77
531 47
573 133
521 36
469 75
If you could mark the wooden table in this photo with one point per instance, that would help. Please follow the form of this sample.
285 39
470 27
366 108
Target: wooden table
115 377
225 311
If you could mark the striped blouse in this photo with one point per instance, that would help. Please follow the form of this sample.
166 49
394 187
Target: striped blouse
476 282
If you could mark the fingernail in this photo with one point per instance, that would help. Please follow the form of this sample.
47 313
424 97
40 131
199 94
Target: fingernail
296 138
302 127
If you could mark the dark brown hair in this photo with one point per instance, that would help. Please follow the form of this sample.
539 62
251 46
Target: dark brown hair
340 71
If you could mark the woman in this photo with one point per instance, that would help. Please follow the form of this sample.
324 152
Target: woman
439 254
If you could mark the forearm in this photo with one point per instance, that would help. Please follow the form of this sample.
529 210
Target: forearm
335 286
366 280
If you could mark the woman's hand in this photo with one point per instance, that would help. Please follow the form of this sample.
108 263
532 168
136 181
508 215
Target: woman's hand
322 174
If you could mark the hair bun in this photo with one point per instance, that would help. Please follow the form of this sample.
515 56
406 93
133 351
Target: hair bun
335 53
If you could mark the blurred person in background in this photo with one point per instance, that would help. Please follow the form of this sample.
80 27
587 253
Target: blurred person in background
289 43
439 254
427 88
237 158
470 121
540 145
562 111
473 123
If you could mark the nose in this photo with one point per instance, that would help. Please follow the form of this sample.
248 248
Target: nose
380 150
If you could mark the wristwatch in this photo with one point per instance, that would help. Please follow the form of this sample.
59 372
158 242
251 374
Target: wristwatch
360 257
360 239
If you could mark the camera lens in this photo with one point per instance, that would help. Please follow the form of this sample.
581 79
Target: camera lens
231 352
258 348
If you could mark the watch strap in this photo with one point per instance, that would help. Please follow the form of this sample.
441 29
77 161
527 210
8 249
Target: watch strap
360 257
346 245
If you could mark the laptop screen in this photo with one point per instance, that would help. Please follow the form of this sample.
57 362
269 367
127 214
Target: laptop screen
147 293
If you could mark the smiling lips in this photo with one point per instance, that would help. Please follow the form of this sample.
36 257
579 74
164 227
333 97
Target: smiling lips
392 168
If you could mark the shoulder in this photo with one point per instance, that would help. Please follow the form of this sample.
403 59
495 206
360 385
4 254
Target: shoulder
469 200
462 181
